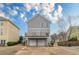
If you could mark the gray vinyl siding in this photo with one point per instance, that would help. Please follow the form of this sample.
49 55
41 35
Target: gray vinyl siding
38 30
37 22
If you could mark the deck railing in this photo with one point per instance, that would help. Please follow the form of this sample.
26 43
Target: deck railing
38 32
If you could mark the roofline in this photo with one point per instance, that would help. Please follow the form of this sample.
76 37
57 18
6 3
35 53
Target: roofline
11 23
39 15
71 27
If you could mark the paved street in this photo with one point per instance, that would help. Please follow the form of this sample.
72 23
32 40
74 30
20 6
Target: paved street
47 51
23 50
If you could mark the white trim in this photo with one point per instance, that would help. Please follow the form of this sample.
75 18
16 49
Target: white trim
37 37
38 30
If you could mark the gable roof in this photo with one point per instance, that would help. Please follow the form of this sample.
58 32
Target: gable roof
38 15
73 27
5 19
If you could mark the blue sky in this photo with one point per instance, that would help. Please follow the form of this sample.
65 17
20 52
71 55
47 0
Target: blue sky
18 14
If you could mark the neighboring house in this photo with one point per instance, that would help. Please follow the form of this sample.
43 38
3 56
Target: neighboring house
73 31
61 36
54 36
38 31
9 32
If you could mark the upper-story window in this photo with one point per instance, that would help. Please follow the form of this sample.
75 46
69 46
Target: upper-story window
1 31
42 24
1 23
47 25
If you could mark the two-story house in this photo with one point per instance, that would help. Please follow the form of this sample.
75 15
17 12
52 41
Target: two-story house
9 32
38 31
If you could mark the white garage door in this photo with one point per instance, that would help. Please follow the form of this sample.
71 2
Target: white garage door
41 42
32 42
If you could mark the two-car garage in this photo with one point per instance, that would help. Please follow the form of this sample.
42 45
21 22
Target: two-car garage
37 42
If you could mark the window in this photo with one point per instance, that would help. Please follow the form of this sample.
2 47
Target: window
42 24
1 23
1 33
47 25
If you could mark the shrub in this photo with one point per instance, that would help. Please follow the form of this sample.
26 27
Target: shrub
51 42
62 43
12 43
68 43
21 39
73 39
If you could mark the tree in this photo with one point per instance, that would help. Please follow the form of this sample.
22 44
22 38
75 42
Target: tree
53 39
69 20
62 36
54 36
20 39
62 29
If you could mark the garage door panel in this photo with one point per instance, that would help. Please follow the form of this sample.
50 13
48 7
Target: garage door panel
41 42
37 42
32 42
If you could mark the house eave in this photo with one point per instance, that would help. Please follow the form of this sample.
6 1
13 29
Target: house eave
38 15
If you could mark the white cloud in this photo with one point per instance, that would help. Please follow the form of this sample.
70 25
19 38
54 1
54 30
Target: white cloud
56 18
2 14
13 12
17 8
9 8
58 14
46 10
28 6
36 6
48 7
59 10
52 6
22 15
25 19
55 13
1 5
